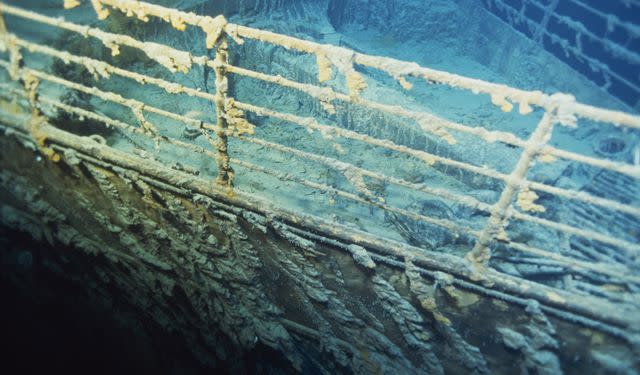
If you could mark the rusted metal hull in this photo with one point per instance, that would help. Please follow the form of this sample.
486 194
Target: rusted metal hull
207 266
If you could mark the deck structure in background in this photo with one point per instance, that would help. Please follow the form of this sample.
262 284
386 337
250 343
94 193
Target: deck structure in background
599 39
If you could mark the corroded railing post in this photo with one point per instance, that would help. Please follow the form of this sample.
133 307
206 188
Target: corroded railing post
225 172
495 227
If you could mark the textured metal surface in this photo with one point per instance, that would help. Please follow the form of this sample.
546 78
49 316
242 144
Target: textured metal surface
599 284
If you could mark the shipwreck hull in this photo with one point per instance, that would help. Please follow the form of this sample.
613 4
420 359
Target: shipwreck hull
227 278
272 204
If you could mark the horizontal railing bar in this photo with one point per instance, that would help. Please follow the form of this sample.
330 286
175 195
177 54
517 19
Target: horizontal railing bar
143 9
632 28
583 197
393 67
553 297
119 124
311 123
323 93
110 40
430 159
565 261
628 247
127 102
578 52
341 166
112 97
447 224
561 260
620 273
75 110
108 120
327 94
97 65
608 164
399 68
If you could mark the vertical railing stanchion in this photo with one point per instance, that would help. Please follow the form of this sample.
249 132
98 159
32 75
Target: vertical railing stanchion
225 172
495 227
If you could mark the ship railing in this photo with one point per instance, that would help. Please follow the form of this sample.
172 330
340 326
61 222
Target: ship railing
516 202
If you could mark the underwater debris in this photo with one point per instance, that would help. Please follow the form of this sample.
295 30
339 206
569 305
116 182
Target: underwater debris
611 145
430 124
546 157
410 324
177 22
356 178
536 342
31 84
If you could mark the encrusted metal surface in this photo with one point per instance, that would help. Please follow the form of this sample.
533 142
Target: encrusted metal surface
268 272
